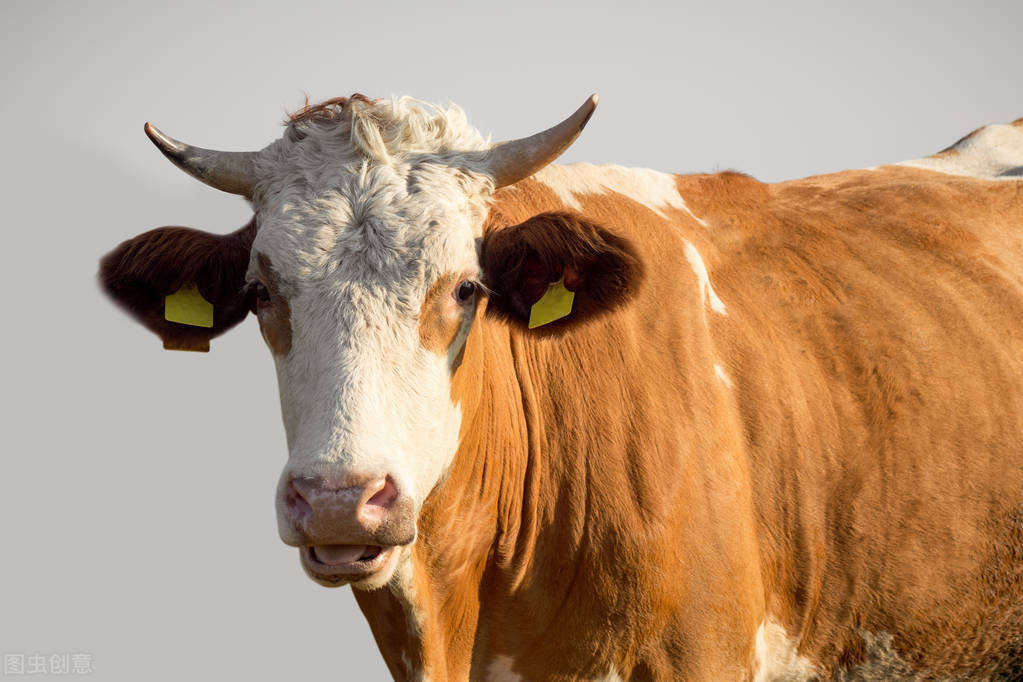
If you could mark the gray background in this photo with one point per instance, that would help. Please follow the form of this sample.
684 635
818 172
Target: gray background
136 489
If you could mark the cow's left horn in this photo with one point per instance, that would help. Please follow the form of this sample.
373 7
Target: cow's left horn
233 172
509 162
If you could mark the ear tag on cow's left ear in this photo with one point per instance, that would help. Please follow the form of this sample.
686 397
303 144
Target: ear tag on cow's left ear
187 306
555 304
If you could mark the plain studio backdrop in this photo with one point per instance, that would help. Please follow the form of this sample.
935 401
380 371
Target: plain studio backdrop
137 496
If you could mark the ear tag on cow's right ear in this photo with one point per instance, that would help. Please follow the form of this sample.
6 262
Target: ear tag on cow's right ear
187 306
555 304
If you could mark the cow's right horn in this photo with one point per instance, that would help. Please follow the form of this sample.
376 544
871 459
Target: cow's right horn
509 162
233 172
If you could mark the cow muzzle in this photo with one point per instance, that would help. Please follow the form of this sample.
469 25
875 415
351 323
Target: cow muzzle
348 530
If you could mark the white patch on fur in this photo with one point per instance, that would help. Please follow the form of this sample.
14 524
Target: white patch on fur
722 375
459 341
882 662
775 658
360 216
651 188
403 588
500 670
706 290
994 152
410 672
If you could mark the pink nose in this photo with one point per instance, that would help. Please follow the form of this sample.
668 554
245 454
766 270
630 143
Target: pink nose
348 511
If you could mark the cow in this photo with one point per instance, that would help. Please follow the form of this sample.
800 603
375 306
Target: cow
592 422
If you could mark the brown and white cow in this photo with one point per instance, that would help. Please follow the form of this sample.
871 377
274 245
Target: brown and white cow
778 436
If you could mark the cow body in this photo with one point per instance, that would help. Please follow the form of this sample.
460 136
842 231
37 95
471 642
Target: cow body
780 462
794 450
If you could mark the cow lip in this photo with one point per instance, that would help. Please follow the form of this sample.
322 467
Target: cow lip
349 571
341 555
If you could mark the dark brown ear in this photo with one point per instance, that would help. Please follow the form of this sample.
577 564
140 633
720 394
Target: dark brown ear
142 271
521 261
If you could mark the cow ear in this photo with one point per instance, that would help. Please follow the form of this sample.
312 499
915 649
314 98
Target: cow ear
556 270
183 264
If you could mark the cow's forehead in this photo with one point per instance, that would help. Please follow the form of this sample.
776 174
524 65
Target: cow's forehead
378 193
368 228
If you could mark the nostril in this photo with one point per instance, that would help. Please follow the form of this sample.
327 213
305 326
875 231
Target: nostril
385 494
299 508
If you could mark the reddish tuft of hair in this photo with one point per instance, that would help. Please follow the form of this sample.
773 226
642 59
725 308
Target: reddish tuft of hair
327 111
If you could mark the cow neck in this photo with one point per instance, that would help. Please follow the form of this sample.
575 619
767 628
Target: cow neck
558 491
428 621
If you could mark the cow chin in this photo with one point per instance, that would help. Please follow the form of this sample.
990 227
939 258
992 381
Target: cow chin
364 568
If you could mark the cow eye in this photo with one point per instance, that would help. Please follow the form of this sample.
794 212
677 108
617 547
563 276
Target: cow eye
465 291
260 293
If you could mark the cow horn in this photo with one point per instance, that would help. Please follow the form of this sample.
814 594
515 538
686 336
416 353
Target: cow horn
509 162
233 172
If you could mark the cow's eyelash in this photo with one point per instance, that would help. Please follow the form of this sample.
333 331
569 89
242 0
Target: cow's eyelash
480 286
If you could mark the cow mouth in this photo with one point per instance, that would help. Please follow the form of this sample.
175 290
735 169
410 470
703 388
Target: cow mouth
332 565
339 555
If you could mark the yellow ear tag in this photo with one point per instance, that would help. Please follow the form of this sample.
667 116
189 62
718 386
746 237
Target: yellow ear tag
187 306
554 305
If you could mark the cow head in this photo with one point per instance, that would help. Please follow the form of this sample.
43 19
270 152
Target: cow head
363 267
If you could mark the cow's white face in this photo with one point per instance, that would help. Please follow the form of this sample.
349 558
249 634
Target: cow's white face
369 265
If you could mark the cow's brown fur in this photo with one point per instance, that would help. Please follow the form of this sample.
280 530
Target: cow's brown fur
886 307
440 317
615 506
564 504
274 315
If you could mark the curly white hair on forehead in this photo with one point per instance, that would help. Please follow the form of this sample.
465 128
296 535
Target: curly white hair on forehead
385 128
